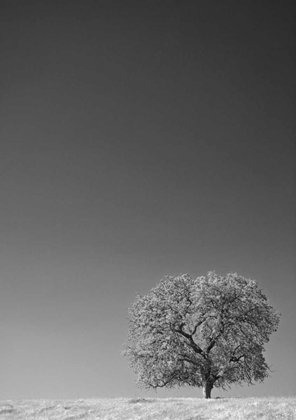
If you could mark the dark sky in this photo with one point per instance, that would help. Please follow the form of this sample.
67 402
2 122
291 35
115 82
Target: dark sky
138 139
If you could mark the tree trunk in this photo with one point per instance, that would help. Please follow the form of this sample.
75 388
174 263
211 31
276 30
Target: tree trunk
207 388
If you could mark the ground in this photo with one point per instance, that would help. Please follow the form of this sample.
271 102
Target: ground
269 408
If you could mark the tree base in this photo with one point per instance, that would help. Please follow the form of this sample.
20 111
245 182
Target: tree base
207 389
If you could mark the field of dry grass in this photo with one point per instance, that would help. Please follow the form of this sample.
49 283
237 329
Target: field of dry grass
271 408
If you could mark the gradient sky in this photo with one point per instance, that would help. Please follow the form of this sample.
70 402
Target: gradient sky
138 139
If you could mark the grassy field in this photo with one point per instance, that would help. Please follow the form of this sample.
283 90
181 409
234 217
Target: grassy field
151 409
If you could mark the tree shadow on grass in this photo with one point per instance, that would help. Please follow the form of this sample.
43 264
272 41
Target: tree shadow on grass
140 400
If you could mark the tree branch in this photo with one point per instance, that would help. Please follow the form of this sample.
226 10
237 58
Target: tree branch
236 359
196 326
186 359
214 340
192 343
165 382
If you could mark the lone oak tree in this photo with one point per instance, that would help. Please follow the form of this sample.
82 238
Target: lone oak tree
202 332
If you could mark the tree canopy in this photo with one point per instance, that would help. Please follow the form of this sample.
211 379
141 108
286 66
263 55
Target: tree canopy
205 332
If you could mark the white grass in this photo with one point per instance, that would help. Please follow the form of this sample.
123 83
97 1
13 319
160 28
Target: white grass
269 408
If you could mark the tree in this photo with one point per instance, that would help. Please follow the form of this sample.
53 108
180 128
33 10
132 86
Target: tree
202 332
